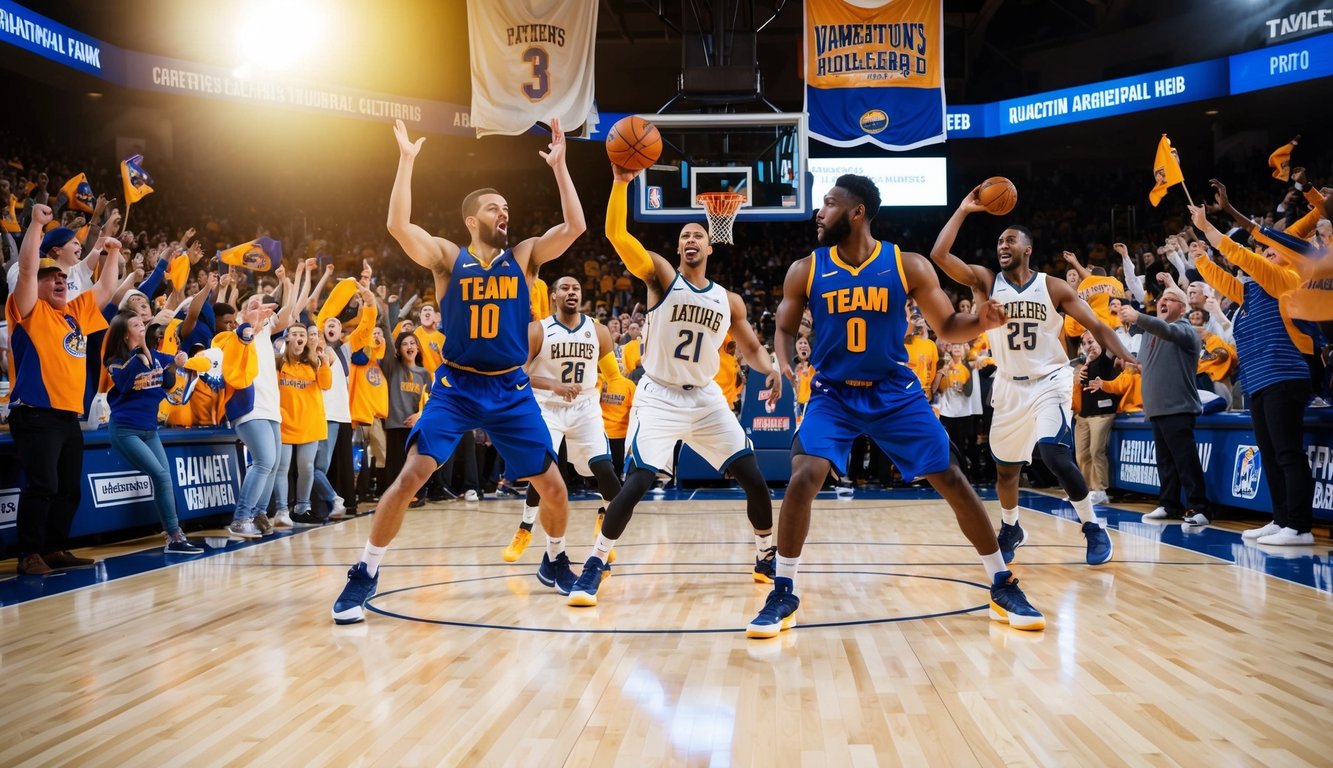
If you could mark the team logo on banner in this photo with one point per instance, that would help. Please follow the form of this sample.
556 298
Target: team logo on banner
1245 472
875 74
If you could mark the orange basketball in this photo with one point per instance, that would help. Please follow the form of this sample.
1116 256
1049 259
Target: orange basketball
633 143
998 194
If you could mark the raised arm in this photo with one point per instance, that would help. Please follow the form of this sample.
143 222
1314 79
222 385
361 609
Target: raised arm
556 240
649 267
25 290
754 353
1071 259
1067 300
105 287
433 253
976 277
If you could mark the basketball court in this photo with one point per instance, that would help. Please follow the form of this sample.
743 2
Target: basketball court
1163 656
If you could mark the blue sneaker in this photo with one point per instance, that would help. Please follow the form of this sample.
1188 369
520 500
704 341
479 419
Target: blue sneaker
1099 543
765 568
1011 537
778 613
1009 605
556 573
349 607
584 591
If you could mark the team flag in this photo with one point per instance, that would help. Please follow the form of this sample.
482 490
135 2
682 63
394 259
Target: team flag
1165 170
1280 161
262 254
178 271
138 184
77 193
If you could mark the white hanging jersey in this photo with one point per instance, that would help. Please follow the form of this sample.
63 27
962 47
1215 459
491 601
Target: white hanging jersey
681 335
568 355
531 60
1031 344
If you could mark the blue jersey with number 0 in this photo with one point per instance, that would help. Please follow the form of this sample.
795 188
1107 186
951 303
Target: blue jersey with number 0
857 314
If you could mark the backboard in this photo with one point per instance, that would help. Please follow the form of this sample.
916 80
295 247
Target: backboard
761 155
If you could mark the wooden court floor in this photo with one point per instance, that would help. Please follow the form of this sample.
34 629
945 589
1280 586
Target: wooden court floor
1162 657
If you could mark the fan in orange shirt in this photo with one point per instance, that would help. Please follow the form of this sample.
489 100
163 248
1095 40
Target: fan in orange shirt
301 375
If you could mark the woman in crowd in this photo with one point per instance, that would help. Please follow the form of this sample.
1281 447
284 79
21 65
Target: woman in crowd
302 375
140 379
408 385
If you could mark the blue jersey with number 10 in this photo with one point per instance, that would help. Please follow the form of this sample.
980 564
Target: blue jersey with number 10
857 315
485 313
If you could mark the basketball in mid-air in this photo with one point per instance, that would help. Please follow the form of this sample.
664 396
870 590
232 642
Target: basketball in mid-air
633 143
998 194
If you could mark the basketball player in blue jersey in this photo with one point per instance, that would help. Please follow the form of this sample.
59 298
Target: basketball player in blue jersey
857 289
677 398
485 307
1034 385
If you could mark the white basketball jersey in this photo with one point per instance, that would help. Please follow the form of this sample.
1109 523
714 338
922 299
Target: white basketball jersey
531 60
568 355
1031 344
682 334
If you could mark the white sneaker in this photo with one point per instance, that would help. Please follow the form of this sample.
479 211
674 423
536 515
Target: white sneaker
1098 497
1287 537
471 495
1198 518
243 530
1255 533
282 520
1157 514
337 510
1318 402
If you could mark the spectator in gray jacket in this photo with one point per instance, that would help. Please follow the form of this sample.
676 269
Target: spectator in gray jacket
1169 355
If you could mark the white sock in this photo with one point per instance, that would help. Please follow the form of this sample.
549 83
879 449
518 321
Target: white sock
602 549
1010 516
762 542
529 515
787 568
994 563
554 546
1084 509
372 557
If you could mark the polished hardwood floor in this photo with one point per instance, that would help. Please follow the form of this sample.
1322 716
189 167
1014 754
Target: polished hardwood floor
1166 656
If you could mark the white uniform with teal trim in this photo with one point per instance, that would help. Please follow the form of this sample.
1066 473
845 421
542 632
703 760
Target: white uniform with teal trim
677 398
1034 385
569 356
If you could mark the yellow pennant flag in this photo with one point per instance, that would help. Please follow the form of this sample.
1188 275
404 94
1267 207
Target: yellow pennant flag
135 179
1165 171
1280 161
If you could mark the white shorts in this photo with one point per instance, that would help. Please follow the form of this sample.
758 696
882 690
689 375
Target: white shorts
579 424
664 414
1031 412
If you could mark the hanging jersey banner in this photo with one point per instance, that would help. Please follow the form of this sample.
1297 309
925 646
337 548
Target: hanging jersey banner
532 60
875 74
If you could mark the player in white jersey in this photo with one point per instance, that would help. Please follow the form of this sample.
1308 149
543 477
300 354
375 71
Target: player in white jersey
566 352
676 398
1034 386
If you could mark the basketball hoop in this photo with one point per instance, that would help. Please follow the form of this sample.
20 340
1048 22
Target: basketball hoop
721 208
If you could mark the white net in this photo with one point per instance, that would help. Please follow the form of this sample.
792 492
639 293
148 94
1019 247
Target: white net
721 208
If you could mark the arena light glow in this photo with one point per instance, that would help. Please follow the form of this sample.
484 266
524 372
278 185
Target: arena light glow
276 35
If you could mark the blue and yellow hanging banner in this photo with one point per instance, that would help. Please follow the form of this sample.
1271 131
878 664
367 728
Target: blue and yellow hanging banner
875 74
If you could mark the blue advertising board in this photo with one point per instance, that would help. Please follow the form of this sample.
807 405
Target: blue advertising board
1278 65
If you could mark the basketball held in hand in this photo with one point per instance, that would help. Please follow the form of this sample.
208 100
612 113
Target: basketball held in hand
998 194
633 143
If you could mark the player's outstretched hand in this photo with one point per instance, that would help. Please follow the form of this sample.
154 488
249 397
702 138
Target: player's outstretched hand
774 391
972 203
406 147
623 174
555 154
992 314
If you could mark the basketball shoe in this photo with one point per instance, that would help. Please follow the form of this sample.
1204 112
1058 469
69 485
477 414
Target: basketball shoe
778 613
765 566
349 607
1009 605
584 591
522 537
1011 537
1099 543
556 573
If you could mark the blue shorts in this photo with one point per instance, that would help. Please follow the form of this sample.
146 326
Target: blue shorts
502 405
893 412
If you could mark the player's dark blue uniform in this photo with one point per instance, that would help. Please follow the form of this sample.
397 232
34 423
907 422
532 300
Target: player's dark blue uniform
481 384
862 383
